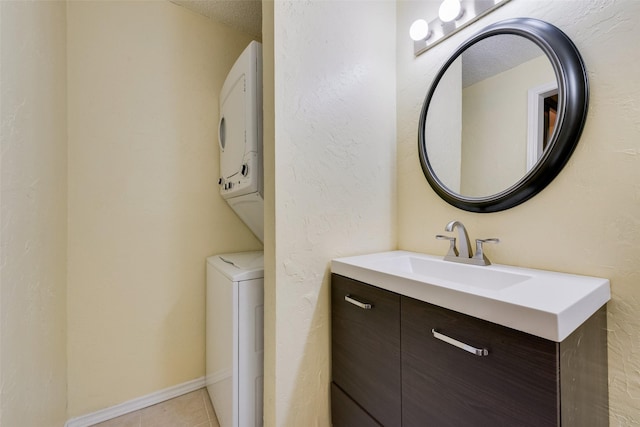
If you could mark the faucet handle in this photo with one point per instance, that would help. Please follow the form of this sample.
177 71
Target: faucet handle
453 252
479 252
491 240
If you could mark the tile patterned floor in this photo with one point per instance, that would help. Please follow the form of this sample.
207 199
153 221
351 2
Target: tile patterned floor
190 410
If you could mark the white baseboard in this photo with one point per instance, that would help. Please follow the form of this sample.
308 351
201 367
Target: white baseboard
136 404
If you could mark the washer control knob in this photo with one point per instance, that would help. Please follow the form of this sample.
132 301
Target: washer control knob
245 170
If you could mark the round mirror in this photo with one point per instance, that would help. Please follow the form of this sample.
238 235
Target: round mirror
503 115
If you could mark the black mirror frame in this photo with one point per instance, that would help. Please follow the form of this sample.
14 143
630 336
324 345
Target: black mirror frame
573 101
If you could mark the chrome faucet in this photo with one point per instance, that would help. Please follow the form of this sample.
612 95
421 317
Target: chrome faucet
464 245
463 252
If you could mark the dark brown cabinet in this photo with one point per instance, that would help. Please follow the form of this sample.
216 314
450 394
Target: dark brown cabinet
365 353
403 366
515 381
346 412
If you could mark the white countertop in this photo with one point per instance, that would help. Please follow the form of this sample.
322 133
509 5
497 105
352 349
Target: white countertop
547 304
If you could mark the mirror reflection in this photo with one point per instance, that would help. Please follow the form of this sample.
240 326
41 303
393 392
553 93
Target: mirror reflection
491 115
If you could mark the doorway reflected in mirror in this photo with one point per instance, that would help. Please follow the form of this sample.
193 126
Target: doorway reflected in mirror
550 112
543 111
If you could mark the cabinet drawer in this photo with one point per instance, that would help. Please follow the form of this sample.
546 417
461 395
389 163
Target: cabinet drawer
347 413
515 384
366 348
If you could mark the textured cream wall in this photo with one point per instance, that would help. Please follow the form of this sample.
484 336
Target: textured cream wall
144 209
588 220
33 207
334 183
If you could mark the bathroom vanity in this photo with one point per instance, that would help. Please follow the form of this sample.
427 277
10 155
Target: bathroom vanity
421 341
413 345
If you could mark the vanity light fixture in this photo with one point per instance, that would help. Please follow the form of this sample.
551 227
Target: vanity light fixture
453 15
419 30
450 10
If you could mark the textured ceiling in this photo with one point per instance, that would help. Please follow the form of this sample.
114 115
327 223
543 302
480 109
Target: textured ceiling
495 55
243 15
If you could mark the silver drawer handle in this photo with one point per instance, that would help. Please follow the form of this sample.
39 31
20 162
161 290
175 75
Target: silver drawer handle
459 344
363 305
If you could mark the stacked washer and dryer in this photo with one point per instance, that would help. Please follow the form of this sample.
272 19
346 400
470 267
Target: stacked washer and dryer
235 282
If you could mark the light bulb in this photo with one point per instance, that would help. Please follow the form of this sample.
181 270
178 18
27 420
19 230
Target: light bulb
419 30
450 10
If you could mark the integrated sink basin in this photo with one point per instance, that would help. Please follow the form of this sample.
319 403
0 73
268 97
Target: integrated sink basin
459 274
547 304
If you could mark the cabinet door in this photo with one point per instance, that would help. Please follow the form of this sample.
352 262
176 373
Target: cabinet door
516 384
366 348
347 413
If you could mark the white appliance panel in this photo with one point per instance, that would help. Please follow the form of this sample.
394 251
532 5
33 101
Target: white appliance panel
231 134
240 129
250 352
234 337
240 139
220 332
250 209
